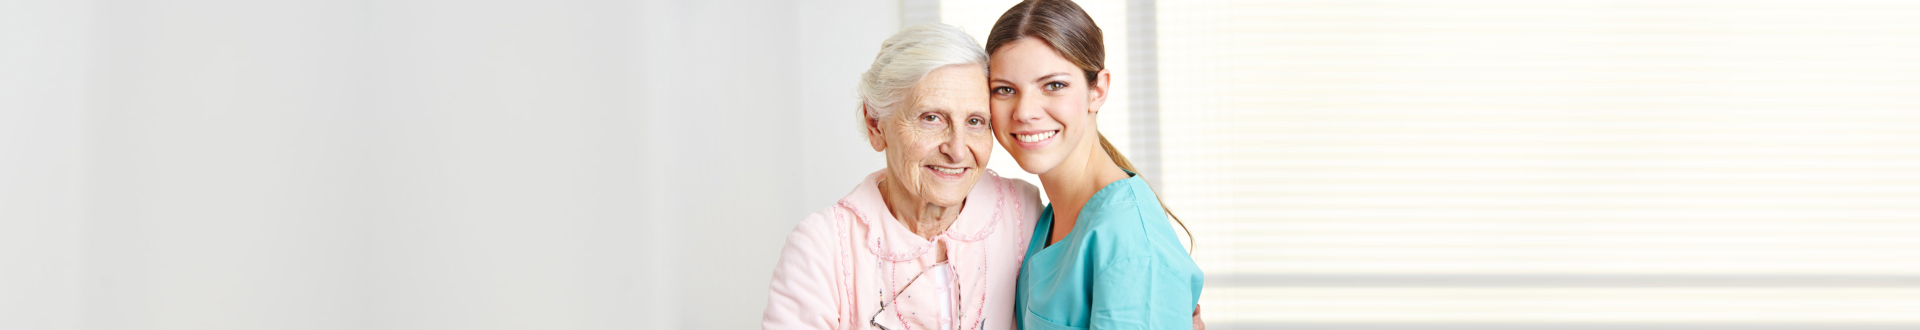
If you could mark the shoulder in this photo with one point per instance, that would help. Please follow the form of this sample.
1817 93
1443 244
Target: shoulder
1024 208
1025 198
1127 208
1021 188
828 228
822 223
1128 222
817 236
1015 205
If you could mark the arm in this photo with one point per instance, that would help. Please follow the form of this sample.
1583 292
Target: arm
1140 293
1197 325
801 295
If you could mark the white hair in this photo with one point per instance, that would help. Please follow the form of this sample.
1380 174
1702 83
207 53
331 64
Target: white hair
906 58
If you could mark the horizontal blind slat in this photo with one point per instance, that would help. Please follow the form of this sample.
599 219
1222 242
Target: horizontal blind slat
1405 139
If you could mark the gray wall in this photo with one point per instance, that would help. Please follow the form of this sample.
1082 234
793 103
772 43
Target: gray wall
409 164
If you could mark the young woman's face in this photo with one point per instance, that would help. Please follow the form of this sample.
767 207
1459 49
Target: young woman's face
1043 107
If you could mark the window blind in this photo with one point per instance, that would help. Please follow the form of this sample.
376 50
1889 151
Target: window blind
1546 164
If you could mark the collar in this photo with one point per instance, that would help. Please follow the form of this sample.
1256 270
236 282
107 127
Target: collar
979 215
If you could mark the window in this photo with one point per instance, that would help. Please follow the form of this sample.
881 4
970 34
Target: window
1529 165
1547 165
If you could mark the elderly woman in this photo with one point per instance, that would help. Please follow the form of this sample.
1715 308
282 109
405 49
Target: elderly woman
934 241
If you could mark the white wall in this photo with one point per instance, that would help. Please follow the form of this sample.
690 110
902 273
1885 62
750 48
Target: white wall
508 190
735 84
838 40
42 129
414 164
222 186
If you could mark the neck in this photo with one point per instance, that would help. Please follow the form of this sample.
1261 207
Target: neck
923 218
1070 184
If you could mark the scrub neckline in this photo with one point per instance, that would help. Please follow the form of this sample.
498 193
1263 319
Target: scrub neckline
1103 193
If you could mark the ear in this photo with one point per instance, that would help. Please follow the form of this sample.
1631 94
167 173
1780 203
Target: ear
874 137
1097 94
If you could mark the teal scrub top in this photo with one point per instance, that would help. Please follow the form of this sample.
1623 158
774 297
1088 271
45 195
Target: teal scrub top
1120 267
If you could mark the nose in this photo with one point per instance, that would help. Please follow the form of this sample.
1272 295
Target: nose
955 148
1027 109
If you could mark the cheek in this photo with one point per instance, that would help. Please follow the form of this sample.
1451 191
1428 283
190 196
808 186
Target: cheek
920 145
911 141
1001 110
1002 135
999 122
981 145
1065 108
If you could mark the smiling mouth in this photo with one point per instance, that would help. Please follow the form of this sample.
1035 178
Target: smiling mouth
1036 137
948 170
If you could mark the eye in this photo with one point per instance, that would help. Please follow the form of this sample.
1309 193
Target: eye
976 121
1054 86
1003 90
930 118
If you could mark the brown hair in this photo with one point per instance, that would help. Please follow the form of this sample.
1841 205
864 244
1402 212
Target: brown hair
1072 34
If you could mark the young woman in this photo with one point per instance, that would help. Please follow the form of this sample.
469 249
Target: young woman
1103 255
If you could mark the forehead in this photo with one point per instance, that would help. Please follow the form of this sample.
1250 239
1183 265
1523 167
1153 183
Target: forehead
955 88
1028 58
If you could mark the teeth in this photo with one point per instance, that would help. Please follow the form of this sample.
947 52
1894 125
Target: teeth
1034 137
948 170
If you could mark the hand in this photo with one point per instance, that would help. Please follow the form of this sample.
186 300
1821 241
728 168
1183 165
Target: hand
1197 325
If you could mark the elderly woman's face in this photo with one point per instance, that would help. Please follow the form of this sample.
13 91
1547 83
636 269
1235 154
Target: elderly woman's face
938 141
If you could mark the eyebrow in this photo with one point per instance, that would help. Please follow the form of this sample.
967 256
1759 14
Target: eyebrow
1042 78
1050 76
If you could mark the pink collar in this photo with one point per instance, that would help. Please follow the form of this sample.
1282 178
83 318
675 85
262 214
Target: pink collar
890 240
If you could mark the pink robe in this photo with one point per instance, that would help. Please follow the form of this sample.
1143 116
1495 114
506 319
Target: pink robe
841 263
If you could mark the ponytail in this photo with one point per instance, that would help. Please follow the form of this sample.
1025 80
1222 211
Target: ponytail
1128 165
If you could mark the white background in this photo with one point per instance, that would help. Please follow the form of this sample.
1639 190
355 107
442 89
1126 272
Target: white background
307 164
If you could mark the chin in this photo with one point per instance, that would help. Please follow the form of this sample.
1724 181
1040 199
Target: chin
1035 164
948 194
948 199
1036 170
